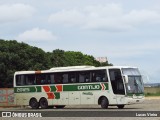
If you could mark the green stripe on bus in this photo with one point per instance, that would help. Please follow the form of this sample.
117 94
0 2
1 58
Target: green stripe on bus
53 88
57 95
84 87
38 88
27 89
75 87
106 86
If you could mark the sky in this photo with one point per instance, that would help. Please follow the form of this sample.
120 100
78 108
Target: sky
127 32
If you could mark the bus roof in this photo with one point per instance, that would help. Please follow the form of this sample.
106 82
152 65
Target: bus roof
71 68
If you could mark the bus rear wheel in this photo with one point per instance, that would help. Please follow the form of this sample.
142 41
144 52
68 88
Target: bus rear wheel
60 106
104 103
33 103
43 103
120 106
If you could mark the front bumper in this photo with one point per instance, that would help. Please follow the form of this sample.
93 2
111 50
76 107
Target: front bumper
135 100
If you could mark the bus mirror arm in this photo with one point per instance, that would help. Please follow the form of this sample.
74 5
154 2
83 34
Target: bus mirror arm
126 78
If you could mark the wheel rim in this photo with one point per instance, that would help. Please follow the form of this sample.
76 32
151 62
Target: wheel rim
43 103
34 103
104 103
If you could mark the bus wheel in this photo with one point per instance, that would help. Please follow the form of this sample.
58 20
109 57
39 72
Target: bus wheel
120 106
60 106
43 103
33 103
104 103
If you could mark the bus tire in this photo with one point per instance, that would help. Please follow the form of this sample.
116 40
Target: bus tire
33 103
43 103
60 106
120 106
104 103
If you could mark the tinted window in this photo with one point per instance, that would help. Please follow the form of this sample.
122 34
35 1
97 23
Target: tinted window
116 81
62 78
99 76
58 78
20 80
43 79
30 79
72 77
25 80
84 76
65 78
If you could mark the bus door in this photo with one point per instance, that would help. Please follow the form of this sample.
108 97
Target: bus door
74 96
117 85
87 97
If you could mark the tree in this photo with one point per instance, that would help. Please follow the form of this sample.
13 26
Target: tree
19 56
57 58
15 56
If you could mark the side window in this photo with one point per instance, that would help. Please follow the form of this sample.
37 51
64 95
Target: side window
99 76
48 78
29 79
44 79
52 78
38 79
72 77
65 78
81 77
84 77
19 80
58 78
104 76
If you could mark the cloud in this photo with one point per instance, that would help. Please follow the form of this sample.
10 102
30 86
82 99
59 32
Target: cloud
136 17
110 17
36 34
140 49
70 17
15 12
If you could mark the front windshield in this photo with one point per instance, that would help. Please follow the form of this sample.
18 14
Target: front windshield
135 84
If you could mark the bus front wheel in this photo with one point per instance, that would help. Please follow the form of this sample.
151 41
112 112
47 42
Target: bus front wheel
104 103
33 103
43 103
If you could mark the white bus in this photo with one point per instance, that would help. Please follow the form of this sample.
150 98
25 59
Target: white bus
79 85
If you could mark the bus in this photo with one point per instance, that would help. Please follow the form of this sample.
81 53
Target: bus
79 85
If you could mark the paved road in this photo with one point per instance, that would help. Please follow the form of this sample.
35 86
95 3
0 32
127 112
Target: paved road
149 104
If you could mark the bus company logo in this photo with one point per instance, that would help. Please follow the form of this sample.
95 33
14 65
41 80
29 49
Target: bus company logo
23 90
89 87
6 114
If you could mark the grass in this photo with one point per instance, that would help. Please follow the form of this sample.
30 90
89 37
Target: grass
152 94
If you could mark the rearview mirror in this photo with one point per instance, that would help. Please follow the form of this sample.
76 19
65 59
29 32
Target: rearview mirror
125 78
